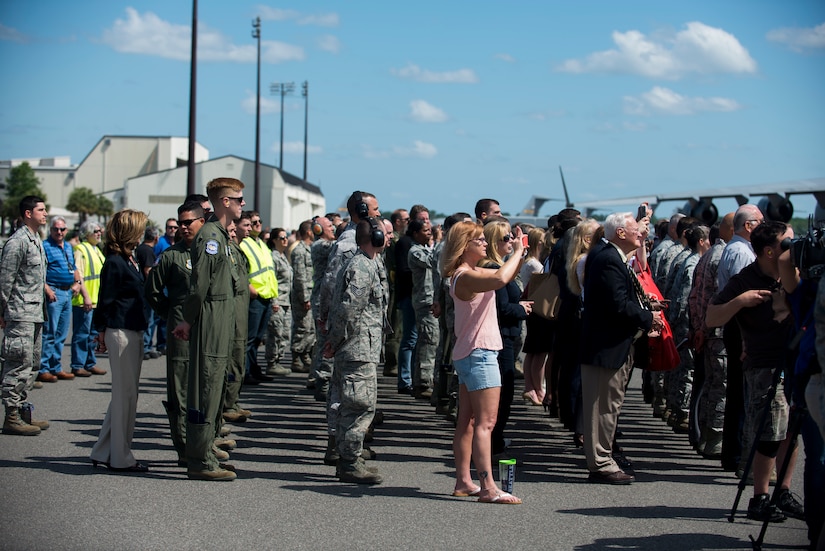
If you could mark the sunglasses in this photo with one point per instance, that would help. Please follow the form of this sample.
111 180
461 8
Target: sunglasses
507 238
238 199
187 223
61 230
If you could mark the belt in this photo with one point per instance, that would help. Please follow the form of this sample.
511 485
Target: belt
61 287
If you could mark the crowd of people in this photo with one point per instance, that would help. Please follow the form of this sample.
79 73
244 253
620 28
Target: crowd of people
446 310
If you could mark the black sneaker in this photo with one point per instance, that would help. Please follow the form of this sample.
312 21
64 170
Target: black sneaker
760 508
788 504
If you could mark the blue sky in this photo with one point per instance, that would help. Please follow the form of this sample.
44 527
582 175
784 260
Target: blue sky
439 103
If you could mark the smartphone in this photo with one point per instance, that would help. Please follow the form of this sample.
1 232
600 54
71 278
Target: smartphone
642 212
524 241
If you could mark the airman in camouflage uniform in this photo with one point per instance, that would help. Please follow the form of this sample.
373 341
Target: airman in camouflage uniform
303 325
321 370
22 313
280 320
422 263
709 343
356 337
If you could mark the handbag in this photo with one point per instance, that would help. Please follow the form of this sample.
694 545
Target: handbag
543 289
662 352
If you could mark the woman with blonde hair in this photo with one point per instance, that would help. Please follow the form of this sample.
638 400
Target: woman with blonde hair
511 310
120 320
475 354
535 349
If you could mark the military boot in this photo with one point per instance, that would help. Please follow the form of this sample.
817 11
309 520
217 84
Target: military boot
14 424
298 364
357 472
225 431
225 444
713 445
331 456
277 370
220 454
26 415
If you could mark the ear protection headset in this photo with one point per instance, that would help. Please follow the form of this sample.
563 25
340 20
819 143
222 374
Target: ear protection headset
317 228
377 238
361 208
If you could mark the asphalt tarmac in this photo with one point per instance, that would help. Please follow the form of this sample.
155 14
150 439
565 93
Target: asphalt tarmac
286 498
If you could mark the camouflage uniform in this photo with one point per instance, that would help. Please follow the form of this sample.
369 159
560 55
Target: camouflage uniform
303 328
342 251
425 282
711 417
210 310
277 339
22 276
166 288
321 367
356 335
659 272
680 380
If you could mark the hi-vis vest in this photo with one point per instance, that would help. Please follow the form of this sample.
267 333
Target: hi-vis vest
92 264
261 267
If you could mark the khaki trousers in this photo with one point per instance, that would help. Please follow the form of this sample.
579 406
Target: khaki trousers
602 394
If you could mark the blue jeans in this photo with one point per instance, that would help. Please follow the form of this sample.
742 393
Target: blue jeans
409 336
55 331
83 339
259 310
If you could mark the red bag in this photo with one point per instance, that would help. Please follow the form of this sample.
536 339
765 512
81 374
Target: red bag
662 353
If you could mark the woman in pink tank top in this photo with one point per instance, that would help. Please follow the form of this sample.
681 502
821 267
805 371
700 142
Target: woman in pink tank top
474 355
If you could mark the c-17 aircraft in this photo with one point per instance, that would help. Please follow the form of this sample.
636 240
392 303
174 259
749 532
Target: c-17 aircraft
774 201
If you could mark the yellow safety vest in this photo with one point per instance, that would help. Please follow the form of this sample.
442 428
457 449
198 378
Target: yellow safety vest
92 264
261 267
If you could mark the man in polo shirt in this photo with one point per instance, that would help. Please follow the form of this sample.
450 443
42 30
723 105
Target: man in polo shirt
63 281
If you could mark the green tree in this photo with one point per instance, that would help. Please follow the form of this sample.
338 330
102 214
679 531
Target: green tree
20 182
84 202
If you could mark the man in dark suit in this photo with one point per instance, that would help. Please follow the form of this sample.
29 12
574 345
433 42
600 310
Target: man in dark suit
613 318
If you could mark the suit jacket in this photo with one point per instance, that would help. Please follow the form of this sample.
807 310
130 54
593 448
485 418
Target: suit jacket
612 314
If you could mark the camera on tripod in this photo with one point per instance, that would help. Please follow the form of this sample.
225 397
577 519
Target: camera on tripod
808 251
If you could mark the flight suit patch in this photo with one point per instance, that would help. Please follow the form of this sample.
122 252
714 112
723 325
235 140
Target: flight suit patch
211 247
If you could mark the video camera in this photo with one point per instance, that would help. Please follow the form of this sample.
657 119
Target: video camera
808 252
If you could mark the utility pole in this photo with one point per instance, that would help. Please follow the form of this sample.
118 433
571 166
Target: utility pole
305 93
282 88
193 83
256 33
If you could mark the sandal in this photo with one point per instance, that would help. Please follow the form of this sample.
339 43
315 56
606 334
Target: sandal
464 493
502 498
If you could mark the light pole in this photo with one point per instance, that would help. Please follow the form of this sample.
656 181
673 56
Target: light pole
282 88
256 33
305 93
193 84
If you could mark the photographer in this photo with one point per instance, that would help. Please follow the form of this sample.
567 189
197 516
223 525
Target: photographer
799 260
757 300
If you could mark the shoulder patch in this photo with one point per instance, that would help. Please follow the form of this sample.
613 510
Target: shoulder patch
188 263
211 247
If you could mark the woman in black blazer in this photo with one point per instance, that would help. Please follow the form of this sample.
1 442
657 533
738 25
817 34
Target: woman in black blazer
120 320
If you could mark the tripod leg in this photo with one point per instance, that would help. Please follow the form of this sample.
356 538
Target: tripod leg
794 427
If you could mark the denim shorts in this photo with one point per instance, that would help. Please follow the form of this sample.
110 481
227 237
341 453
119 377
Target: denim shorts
479 370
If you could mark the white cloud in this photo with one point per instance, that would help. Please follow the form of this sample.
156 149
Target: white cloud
505 57
667 102
422 150
268 105
698 48
12 35
329 43
320 19
414 72
421 111
295 148
150 35
799 39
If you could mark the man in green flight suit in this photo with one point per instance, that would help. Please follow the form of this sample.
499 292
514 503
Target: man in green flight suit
209 326
172 275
